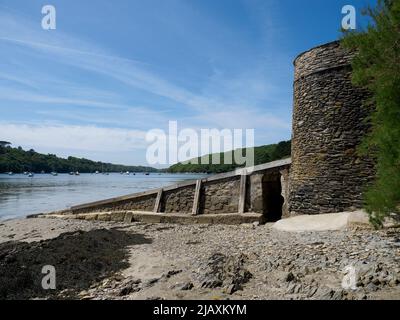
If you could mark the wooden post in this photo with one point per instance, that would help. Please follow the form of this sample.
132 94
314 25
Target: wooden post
242 193
158 201
196 200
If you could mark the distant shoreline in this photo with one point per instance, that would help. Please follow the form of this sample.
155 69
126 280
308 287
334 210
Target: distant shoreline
17 160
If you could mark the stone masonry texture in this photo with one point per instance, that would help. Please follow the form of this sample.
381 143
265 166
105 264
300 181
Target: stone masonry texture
178 200
141 204
329 122
220 196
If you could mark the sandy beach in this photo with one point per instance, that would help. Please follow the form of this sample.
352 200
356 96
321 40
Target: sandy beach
107 260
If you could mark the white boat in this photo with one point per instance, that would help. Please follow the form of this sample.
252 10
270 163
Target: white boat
127 172
30 175
71 173
77 173
10 173
26 173
54 174
97 172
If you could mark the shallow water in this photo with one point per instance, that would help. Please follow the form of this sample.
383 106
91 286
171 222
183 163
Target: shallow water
21 195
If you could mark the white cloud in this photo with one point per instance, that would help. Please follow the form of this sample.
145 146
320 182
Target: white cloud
71 137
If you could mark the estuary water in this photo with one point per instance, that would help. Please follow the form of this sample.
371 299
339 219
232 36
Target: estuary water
21 195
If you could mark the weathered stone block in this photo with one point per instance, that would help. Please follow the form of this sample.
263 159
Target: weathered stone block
89 216
128 217
118 216
104 217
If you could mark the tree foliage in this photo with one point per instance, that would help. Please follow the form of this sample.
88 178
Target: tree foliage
262 154
4 143
376 67
17 160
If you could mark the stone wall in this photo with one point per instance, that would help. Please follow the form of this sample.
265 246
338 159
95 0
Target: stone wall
320 58
178 200
329 123
145 203
214 196
255 197
255 193
220 196
285 183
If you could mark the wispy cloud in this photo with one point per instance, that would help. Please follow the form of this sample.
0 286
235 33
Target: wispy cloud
27 96
87 138
133 74
246 98
19 80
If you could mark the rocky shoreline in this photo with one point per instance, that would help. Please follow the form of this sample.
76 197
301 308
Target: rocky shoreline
108 260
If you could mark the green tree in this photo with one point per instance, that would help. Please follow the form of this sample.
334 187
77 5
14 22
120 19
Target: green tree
18 160
3 146
376 67
4 143
262 154
281 150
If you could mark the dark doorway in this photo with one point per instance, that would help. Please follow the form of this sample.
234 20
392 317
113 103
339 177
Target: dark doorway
272 198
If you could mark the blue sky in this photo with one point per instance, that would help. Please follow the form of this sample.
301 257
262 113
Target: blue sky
112 70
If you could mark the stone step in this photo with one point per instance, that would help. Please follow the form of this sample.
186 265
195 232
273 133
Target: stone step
150 217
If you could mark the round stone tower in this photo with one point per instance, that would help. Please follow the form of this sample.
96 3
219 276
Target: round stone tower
326 174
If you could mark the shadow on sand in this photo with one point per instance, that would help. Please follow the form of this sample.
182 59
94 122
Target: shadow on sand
80 258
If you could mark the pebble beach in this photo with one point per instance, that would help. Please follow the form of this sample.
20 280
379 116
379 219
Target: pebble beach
111 260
